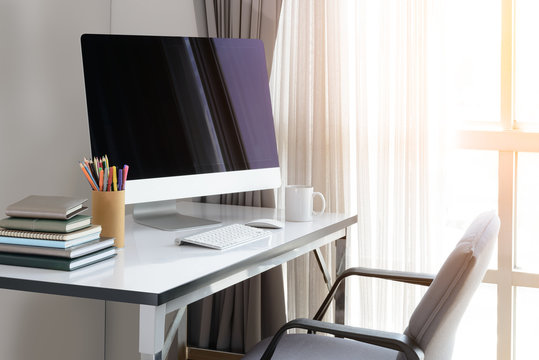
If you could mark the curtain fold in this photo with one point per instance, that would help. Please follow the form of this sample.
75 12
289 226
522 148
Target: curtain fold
238 317
247 19
399 173
355 107
311 112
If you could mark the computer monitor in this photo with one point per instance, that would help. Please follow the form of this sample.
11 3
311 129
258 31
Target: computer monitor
190 116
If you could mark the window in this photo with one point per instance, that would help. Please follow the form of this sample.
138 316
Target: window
492 88
482 79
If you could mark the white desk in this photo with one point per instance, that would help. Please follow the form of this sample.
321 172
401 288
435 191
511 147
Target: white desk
161 277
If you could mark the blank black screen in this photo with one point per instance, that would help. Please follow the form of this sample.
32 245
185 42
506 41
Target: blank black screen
170 106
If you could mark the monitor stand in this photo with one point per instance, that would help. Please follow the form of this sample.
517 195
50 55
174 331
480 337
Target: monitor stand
164 215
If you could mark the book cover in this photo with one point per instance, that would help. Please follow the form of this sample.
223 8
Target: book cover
72 252
51 235
46 207
46 225
61 244
56 263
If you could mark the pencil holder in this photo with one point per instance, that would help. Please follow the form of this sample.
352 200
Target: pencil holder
108 210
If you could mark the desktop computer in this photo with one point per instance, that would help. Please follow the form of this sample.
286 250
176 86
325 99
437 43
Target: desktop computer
190 116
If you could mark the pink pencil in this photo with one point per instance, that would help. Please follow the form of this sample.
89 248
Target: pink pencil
124 175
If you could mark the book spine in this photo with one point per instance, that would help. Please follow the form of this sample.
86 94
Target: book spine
35 261
46 225
32 235
48 243
36 214
34 225
34 250
34 242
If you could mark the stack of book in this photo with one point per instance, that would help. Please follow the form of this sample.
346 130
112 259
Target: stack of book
48 232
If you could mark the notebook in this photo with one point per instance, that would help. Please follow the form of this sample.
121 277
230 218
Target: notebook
56 263
72 252
46 207
62 244
47 225
93 229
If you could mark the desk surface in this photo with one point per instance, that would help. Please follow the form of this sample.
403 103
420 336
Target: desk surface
152 270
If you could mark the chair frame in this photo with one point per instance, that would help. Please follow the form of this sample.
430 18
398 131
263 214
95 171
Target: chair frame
390 340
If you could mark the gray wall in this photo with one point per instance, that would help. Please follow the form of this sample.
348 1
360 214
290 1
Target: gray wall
44 133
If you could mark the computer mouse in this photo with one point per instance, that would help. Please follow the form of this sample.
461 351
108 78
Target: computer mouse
266 223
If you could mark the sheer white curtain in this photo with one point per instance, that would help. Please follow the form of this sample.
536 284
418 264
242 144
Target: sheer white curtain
400 152
312 113
354 92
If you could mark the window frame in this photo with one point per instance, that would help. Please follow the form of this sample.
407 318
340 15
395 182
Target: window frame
507 137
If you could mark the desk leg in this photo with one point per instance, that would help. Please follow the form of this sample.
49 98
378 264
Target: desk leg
151 331
323 267
340 249
340 266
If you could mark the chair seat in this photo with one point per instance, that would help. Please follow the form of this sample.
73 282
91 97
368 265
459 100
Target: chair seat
318 347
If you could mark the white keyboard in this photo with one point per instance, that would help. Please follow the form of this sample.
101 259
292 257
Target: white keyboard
225 237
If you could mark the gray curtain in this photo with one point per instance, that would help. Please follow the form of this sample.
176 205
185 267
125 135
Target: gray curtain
246 19
238 317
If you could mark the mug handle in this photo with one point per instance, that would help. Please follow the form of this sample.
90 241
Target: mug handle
323 203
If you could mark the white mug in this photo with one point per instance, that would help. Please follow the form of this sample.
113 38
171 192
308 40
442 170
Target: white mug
299 203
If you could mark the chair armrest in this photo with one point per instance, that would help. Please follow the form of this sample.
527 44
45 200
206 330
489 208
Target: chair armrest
395 341
394 275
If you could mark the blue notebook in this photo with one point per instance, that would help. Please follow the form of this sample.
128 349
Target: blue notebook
62 244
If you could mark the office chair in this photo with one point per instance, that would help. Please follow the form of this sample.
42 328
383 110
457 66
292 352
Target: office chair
431 329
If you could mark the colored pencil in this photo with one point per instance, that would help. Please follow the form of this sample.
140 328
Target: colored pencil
88 177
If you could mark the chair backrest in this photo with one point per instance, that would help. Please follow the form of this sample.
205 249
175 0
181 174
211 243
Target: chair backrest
435 320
